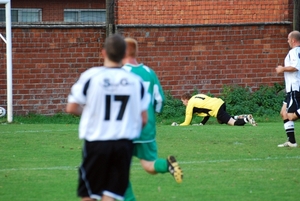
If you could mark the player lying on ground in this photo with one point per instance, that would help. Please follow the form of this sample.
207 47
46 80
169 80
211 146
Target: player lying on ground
205 106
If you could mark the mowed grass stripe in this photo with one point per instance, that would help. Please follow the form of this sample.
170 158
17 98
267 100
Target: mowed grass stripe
181 162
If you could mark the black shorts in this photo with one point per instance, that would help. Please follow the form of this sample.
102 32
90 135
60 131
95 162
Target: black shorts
223 117
292 99
105 169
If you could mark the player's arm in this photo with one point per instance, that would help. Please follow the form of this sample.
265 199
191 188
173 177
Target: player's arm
290 69
158 94
281 69
188 115
204 120
294 64
77 97
146 100
144 118
74 108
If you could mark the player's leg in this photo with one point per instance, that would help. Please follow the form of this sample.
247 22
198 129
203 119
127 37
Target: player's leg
118 177
152 164
246 117
288 106
164 165
292 105
92 171
294 110
294 116
139 152
147 153
87 199
224 117
238 122
174 169
107 198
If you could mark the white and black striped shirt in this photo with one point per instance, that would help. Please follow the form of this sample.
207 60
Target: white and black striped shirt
292 79
113 100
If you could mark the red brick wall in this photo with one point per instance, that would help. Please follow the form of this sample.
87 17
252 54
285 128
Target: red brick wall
201 12
46 62
206 58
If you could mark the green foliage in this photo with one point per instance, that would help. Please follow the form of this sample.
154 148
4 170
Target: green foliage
266 101
59 118
173 108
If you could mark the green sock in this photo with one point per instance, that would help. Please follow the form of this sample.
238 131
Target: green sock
161 165
129 196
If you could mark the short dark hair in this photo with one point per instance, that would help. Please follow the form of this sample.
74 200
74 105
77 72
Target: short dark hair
115 47
186 96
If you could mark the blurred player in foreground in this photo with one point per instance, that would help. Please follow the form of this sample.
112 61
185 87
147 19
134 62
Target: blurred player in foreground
205 106
290 109
113 107
145 147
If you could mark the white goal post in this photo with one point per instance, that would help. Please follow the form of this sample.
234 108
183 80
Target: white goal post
8 42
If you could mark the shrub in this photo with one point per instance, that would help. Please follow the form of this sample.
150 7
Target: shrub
173 108
266 101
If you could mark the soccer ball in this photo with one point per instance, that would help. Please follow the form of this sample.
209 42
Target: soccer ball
2 112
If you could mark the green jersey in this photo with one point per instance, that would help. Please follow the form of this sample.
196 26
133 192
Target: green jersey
153 87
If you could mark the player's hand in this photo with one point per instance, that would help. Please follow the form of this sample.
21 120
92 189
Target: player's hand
174 124
279 69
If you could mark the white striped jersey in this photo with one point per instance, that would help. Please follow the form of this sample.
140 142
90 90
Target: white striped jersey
292 79
113 100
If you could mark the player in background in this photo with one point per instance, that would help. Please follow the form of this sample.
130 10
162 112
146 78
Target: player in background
290 109
145 147
203 105
113 107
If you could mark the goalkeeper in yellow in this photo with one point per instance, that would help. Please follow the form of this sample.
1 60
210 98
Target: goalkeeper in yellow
205 106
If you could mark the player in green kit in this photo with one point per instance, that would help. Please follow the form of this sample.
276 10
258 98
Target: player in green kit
145 147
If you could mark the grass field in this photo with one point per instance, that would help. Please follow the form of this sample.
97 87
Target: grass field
220 162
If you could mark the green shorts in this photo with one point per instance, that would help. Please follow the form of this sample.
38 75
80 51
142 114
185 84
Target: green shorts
146 151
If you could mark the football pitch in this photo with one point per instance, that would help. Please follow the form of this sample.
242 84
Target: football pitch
220 162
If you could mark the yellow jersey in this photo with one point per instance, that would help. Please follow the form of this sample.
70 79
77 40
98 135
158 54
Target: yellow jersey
201 105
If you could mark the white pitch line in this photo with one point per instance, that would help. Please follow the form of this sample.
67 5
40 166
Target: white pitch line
45 168
38 131
238 160
181 162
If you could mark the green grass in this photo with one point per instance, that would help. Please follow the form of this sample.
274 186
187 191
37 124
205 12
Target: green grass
220 162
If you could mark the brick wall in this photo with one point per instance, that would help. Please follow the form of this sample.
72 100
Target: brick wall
206 58
201 12
46 62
